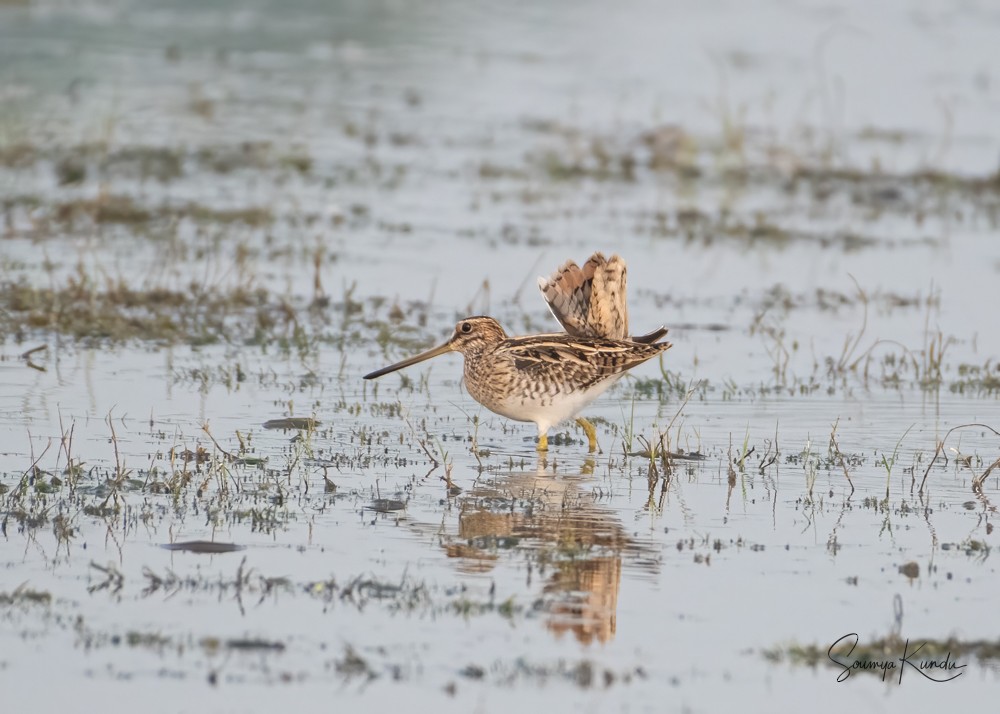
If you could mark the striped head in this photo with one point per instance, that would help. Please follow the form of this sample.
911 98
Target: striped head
472 337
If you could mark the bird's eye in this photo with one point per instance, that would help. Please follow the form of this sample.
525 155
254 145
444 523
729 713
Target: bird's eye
466 328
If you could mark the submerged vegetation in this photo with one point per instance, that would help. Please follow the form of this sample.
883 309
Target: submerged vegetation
893 657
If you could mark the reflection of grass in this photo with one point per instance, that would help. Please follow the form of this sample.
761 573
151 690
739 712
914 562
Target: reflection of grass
982 380
118 312
864 359
160 163
883 655
736 158
125 210
25 596
99 309
887 648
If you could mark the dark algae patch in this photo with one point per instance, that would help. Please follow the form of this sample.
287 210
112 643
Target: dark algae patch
291 423
203 546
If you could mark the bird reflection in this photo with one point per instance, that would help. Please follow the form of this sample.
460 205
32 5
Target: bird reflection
576 545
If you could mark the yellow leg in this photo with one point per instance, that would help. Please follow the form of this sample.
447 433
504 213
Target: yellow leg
591 432
543 442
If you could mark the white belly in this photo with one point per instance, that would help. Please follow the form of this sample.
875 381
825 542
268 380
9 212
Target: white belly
547 411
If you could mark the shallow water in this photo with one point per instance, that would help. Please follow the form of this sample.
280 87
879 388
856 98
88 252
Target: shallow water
805 195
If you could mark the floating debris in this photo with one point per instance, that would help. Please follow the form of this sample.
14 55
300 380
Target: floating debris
387 505
204 546
910 570
292 423
254 644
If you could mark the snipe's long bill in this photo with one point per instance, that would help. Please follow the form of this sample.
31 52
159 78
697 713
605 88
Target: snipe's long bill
543 379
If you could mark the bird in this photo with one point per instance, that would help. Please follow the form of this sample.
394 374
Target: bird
548 378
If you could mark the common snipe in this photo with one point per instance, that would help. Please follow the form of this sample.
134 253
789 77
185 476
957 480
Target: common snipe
548 378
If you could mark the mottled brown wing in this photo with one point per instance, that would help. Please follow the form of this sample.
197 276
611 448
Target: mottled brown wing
589 301
568 294
608 308
565 292
558 363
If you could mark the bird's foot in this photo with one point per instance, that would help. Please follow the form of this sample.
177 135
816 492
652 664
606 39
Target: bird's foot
591 433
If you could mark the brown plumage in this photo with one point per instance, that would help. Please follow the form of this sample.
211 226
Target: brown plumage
544 379
548 378
591 301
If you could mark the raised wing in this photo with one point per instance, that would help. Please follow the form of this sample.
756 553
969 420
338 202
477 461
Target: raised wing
567 294
608 308
589 301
